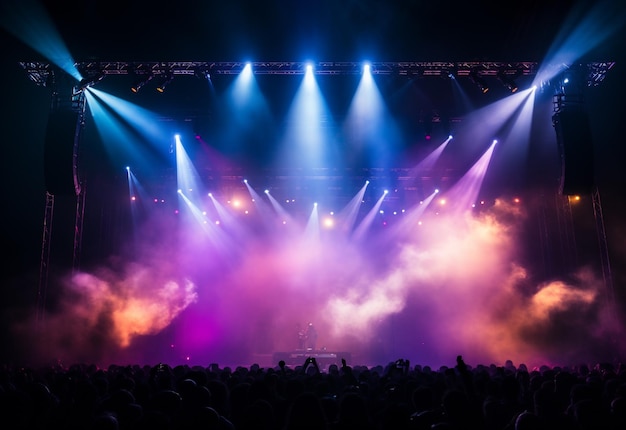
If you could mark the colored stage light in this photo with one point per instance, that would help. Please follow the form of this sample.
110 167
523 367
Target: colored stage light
140 83
89 81
508 81
479 81
164 81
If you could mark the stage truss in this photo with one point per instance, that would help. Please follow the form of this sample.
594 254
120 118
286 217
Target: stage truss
39 72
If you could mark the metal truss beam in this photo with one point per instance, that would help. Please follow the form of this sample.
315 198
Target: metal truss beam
39 72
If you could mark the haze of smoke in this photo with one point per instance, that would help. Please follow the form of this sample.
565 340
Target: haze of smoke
452 285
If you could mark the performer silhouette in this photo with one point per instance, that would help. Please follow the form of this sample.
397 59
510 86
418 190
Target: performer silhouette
311 337
301 336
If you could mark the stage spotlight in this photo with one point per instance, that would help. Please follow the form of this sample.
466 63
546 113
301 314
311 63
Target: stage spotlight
507 81
164 81
89 81
202 74
448 73
140 83
480 82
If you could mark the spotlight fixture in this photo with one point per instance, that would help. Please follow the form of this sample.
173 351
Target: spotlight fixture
449 73
508 81
140 83
89 81
202 74
166 79
479 81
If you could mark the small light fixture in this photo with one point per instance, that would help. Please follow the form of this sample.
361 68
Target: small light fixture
508 81
479 81
202 74
89 81
140 83
165 80
448 73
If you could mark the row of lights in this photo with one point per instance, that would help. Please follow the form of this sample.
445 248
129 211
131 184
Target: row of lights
164 79
507 81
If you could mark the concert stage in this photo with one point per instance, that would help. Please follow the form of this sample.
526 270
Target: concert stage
323 358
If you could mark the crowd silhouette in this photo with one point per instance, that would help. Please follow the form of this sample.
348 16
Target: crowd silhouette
340 397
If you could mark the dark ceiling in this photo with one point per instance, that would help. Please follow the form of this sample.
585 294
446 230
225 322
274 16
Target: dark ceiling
325 30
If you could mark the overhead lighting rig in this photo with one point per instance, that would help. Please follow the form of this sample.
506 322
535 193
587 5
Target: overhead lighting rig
39 71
